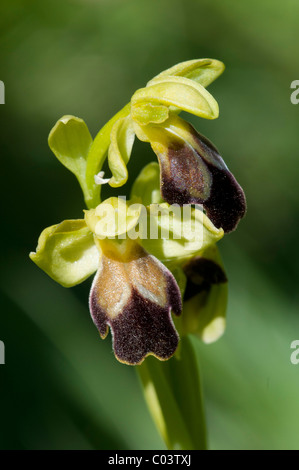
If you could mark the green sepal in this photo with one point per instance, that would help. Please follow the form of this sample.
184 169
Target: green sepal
67 252
202 71
173 394
122 138
70 141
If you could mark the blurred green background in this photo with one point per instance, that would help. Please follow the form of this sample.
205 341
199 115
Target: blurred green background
61 387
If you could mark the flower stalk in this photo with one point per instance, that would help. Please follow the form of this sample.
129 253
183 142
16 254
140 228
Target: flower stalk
173 393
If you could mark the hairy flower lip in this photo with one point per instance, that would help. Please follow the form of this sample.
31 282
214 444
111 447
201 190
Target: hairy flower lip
193 172
133 294
205 296
147 339
201 274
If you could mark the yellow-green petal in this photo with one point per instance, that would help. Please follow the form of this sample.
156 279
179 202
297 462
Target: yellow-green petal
97 155
122 138
149 113
180 92
67 252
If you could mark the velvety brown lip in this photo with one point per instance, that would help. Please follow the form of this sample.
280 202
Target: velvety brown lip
139 308
143 328
196 174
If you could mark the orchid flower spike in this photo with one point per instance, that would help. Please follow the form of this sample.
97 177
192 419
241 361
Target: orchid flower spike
154 255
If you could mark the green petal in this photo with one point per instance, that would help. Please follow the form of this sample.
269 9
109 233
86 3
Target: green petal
202 71
122 139
175 234
205 312
96 157
179 92
70 141
149 113
147 185
67 253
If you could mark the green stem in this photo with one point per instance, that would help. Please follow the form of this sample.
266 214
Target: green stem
173 394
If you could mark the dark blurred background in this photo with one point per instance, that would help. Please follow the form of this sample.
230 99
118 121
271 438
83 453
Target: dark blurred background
61 387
